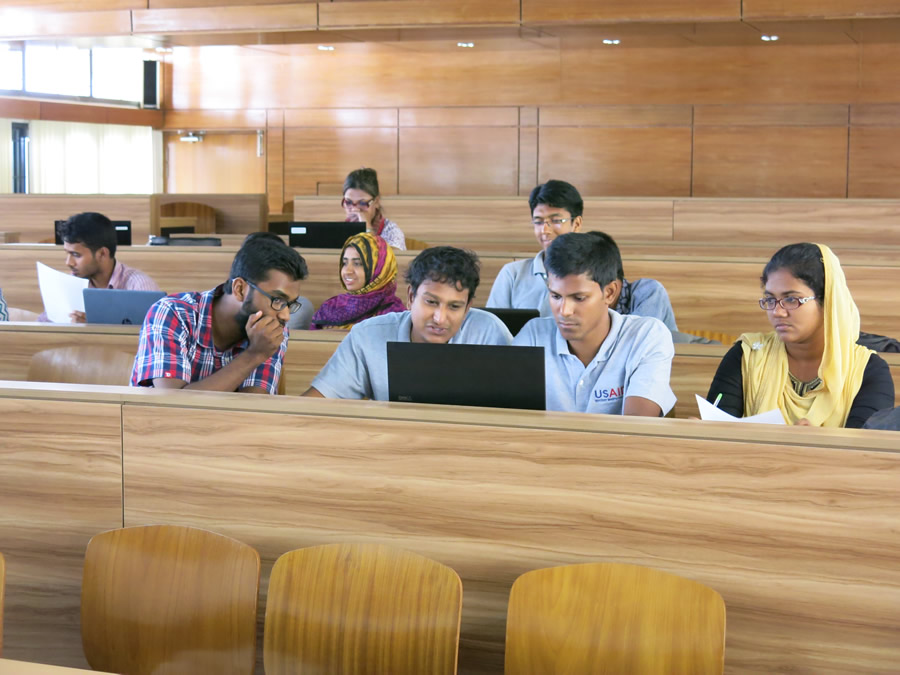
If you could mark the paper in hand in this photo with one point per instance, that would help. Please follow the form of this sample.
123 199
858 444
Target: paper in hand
61 293
710 412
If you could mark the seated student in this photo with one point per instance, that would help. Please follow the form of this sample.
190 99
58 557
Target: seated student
886 420
442 282
368 271
231 338
556 208
89 240
597 360
810 367
362 204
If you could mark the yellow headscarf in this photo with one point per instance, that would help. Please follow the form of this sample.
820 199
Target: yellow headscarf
767 384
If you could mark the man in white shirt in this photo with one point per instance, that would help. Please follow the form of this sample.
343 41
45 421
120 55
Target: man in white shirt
442 282
597 360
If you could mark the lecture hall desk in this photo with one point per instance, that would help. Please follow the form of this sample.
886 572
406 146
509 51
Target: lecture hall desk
795 527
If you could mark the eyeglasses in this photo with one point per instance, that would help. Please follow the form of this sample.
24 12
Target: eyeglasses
789 303
363 204
277 303
553 222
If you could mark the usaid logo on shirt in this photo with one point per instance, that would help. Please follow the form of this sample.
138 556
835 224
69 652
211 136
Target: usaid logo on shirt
612 394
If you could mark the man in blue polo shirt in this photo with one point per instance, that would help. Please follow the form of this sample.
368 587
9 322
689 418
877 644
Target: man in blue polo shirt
597 360
442 282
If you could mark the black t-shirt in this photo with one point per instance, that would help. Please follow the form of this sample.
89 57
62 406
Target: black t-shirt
875 393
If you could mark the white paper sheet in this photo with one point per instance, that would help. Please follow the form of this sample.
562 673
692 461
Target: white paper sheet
61 293
710 412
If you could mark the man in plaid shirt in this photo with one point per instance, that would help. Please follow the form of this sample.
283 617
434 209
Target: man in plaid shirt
231 338
89 240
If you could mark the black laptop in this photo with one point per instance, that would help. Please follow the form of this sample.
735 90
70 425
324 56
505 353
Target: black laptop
514 319
314 234
106 305
123 231
494 376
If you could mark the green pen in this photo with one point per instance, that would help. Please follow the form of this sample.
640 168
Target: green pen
718 398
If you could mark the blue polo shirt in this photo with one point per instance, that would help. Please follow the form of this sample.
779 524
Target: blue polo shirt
635 359
358 368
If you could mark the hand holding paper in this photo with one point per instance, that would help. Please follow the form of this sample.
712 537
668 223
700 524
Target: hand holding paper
61 293
710 412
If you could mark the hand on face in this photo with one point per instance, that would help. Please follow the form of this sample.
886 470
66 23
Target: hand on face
353 206
265 333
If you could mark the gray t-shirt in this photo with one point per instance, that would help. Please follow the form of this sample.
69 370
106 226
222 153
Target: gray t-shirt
358 368
635 359
522 284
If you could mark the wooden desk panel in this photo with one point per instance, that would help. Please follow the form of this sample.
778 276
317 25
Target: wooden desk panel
61 483
32 216
799 540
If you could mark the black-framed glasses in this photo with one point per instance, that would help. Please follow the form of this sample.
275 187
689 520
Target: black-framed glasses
363 204
277 303
789 303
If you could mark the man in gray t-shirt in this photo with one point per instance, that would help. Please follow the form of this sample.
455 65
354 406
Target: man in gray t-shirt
442 282
597 360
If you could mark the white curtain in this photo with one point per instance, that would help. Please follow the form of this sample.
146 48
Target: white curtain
77 158
6 157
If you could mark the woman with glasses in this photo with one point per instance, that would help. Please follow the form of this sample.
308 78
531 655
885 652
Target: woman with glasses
810 367
368 271
362 204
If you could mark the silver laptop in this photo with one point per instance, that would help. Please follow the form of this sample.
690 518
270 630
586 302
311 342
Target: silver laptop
105 305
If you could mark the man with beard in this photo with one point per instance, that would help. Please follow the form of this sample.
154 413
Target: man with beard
231 338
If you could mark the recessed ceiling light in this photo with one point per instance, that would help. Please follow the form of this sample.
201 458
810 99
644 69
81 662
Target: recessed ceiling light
769 38
465 45
326 48
611 42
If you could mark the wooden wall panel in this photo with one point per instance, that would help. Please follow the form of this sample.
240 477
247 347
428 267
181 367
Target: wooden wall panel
819 9
771 115
571 11
236 214
171 4
341 117
324 155
874 162
417 12
798 539
17 24
192 120
275 160
459 117
770 162
619 161
459 161
528 159
201 19
222 163
616 116
74 5
33 215
61 484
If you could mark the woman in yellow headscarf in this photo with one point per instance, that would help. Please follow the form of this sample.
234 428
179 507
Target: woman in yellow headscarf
810 367
368 271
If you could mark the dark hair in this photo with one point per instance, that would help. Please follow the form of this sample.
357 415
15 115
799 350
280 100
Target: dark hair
577 253
614 250
446 265
262 252
559 194
362 179
93 230
803 261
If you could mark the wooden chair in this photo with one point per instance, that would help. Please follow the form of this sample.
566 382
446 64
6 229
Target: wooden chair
2 587
165 599
82 364
361 609
613 618
416 244
205 215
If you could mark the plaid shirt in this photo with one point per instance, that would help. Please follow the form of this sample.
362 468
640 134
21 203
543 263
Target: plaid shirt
176 342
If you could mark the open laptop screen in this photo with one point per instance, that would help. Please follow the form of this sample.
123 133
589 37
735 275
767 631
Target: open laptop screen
322 234
496 376
105 305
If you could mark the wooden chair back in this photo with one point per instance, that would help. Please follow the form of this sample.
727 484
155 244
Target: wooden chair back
416 244
168 600
361 608
82 364
613 618
204 214
2 590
